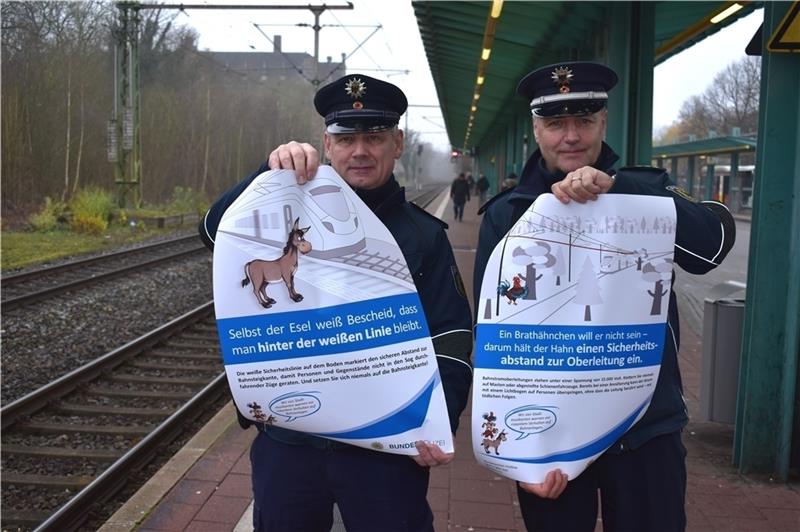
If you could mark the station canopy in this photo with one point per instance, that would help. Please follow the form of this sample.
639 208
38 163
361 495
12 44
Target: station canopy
710 146
528 35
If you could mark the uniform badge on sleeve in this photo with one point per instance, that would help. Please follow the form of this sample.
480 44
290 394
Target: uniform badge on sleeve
678 191
458 281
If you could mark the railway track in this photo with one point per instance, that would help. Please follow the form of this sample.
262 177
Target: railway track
48 282
36 285
424 197
73 443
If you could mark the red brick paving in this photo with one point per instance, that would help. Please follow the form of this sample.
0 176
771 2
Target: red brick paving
467 497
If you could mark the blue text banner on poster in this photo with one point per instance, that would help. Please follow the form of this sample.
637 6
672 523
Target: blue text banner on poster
336 329
568 348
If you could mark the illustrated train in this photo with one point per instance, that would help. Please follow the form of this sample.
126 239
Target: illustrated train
321 204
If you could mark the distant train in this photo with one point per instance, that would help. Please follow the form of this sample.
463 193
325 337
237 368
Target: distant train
321 204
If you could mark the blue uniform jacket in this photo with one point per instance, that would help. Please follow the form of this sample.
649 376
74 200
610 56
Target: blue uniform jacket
430 260
704 235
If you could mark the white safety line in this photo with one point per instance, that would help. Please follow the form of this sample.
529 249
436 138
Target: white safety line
443 201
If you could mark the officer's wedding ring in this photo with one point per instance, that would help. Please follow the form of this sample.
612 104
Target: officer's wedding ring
575 178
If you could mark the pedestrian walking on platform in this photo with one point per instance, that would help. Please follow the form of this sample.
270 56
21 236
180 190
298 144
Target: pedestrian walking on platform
298 477
483 187
641 478
459 193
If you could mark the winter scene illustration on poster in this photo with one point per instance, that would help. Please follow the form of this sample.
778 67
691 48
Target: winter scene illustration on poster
320 325
570 331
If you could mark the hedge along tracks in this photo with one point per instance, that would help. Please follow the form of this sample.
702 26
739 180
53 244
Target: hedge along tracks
45 283
72 444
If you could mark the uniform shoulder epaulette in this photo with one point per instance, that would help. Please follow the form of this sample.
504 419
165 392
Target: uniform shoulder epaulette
429 215
654 170
494 198
651 174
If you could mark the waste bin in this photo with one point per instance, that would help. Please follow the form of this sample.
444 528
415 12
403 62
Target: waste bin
723 319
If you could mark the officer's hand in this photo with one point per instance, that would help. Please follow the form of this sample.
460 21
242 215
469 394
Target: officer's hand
582 185
554 484
301 157
431 455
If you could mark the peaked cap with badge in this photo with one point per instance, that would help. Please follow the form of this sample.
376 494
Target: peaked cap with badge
357 103
567 89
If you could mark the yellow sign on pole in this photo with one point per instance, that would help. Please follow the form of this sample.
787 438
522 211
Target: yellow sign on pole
787 35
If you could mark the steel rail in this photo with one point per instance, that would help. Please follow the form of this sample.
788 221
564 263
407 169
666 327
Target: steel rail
82 263
47 293
75 512
38 399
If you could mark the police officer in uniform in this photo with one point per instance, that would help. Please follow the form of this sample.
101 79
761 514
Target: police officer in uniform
642 477
297 477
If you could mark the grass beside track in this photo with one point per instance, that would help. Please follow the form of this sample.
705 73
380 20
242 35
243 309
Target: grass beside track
20 249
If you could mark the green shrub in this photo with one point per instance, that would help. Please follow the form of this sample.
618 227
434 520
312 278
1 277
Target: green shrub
92 203
186 200
88 224
48 218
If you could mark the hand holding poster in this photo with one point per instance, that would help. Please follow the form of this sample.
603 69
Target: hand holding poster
571 325
320 325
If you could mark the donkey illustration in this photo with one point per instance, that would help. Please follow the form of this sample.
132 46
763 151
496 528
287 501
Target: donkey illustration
494 443
262 272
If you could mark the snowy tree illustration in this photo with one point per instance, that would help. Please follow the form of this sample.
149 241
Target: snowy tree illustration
587 291
536 256
560 267
657 274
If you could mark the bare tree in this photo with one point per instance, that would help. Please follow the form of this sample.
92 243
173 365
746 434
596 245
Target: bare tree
202 125
730 101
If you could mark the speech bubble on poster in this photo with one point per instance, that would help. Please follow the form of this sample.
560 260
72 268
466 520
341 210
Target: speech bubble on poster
530 419
317 314
295 405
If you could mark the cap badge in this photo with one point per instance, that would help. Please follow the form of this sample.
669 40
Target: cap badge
562 76
355 88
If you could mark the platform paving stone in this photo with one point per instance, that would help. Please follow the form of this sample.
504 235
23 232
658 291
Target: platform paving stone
221 509
214 494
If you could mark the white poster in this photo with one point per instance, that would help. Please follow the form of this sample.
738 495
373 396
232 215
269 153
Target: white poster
320 325
571 326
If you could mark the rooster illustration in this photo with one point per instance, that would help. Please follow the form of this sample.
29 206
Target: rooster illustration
517 291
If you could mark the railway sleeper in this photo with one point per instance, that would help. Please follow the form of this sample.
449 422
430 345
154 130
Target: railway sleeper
147 394
71 482
100 455
23 518
67 428
143 364
69 408
158 380
202 334
187 356
209 344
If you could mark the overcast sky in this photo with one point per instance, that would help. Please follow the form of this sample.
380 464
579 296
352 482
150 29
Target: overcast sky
396 47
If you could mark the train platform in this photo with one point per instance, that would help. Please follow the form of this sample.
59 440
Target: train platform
206 486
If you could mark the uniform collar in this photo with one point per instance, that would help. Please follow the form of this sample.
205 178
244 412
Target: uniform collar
536 179
381 198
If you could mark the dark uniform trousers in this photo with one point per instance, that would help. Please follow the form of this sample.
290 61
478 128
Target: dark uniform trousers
297 478
642 478
376 491
626 506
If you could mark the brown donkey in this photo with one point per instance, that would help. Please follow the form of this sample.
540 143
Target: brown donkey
263 272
